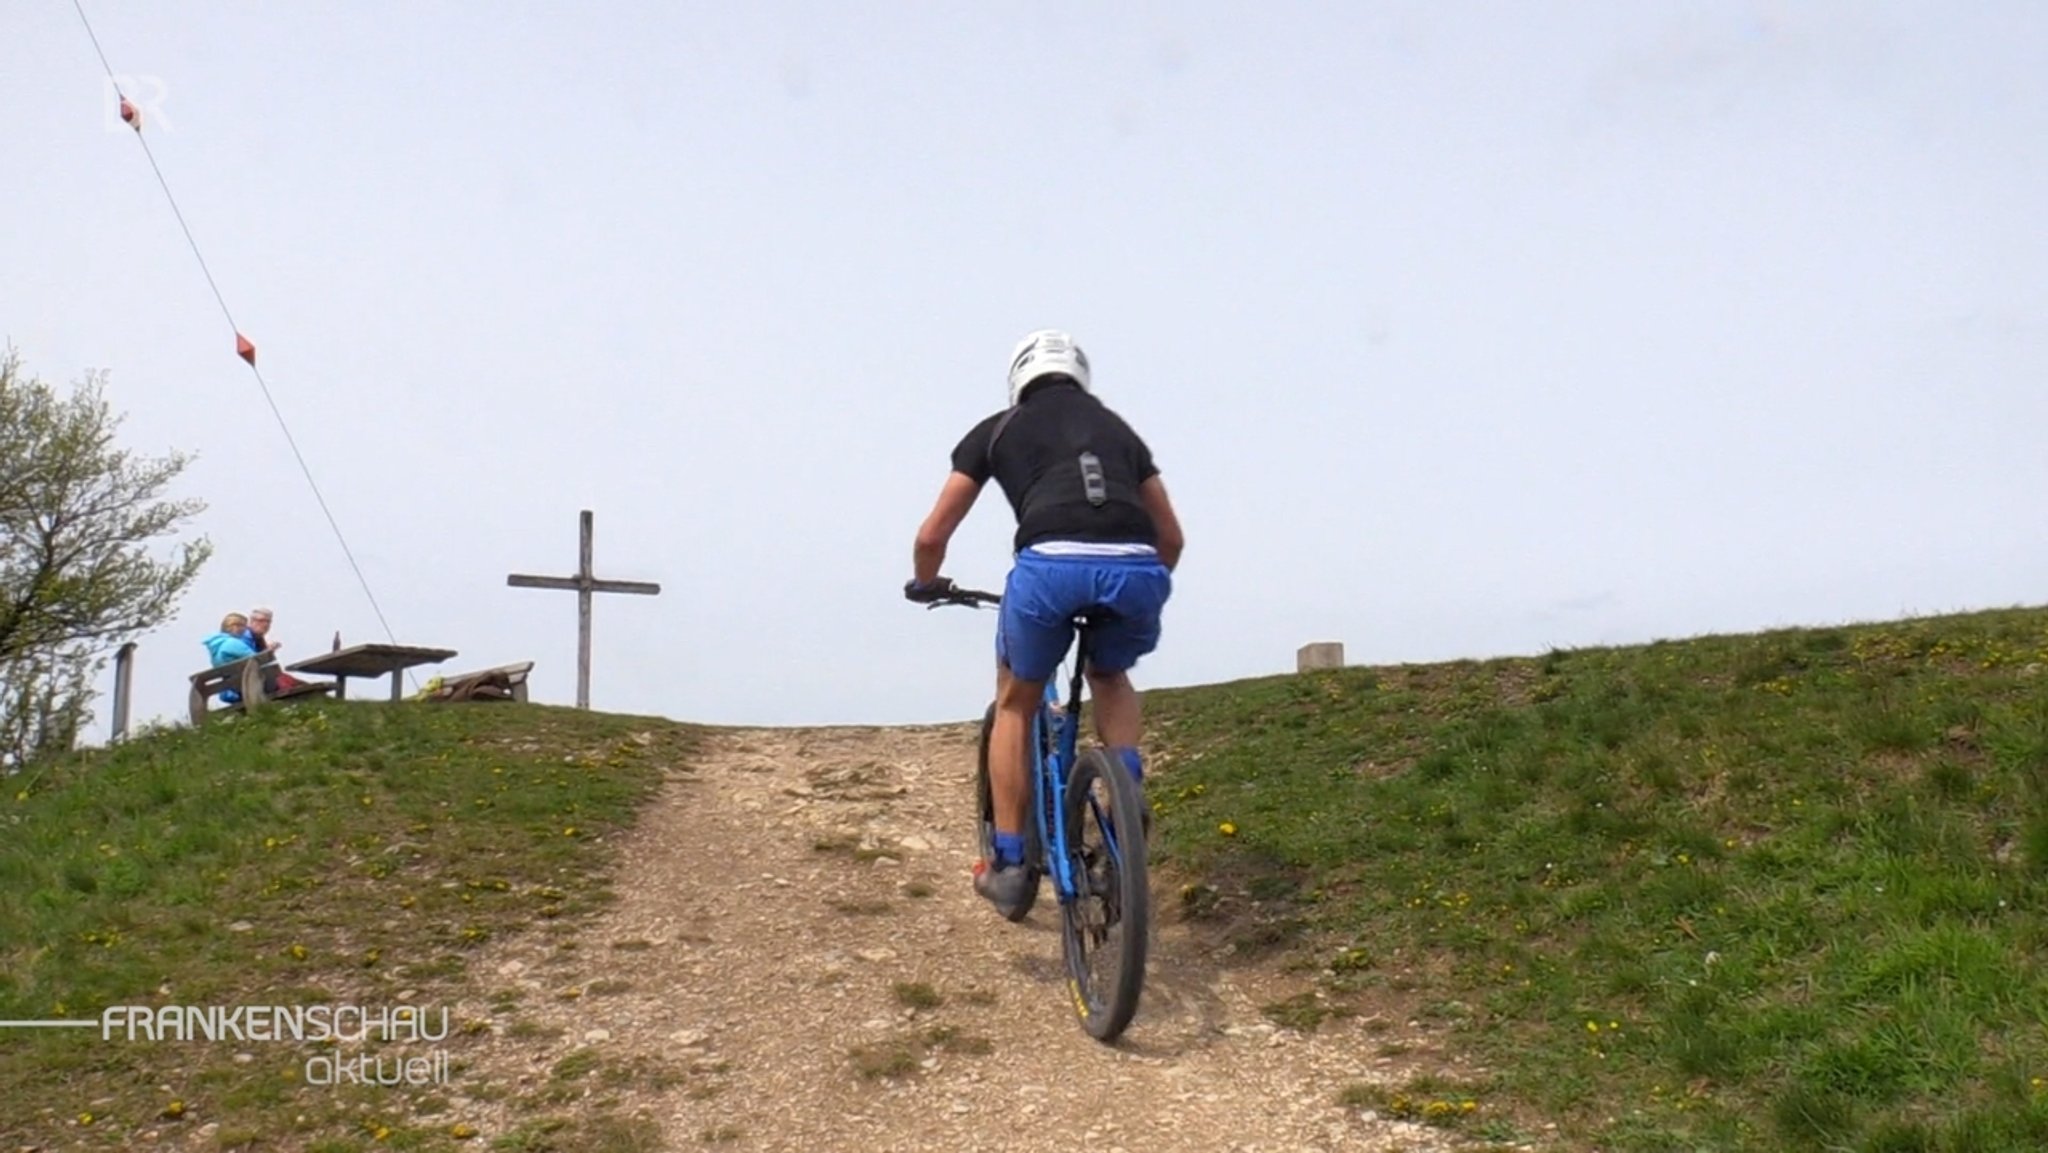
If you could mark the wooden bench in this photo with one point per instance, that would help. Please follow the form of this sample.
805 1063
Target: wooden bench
249 677
503 683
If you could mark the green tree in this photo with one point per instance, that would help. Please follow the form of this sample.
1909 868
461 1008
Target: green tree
78 515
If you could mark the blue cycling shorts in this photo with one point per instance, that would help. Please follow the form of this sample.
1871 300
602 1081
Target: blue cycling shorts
1044 592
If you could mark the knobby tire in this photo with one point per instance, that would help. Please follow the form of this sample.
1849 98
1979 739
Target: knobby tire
1105 1017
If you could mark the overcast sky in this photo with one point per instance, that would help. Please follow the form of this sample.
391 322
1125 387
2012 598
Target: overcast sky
1457 330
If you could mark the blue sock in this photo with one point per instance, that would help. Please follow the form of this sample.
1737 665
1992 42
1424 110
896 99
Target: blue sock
1135 763
1009 850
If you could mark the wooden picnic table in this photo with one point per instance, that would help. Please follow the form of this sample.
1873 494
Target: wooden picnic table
371 660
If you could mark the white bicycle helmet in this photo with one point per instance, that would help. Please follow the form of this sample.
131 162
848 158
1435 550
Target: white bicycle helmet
1044 353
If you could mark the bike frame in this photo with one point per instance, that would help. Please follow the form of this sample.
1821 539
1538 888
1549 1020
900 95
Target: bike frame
1049 771
1055 739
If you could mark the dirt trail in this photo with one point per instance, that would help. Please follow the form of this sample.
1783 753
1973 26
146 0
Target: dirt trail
779 894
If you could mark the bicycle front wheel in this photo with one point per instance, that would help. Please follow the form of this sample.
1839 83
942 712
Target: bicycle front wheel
1107 921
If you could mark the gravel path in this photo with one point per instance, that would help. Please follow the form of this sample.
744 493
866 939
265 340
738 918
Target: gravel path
797 911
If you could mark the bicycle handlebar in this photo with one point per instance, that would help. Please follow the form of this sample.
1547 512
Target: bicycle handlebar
972 598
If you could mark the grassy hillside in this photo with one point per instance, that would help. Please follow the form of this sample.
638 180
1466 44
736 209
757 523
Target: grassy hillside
1776 892
323 854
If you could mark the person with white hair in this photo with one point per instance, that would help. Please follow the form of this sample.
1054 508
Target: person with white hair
261 640
259 629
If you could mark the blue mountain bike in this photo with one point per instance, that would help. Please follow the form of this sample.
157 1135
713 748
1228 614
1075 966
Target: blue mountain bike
1086 834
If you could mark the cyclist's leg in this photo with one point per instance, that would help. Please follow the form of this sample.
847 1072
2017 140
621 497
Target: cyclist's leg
1031 637
1118 723
1135 593
1009 761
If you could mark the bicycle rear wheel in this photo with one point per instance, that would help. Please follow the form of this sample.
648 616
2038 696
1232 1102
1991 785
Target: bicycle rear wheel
1105 927
985 818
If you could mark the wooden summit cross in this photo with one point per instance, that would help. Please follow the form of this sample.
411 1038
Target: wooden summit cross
584 584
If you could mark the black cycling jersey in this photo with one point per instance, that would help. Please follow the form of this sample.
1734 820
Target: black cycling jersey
1069 466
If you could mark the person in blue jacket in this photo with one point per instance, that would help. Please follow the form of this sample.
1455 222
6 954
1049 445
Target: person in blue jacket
231 643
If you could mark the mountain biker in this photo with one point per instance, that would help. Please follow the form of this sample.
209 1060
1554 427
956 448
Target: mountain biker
1095 530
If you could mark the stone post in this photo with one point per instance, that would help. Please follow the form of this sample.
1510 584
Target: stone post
124 687
1319 655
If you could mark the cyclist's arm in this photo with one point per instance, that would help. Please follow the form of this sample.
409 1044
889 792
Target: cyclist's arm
955 499
1153 493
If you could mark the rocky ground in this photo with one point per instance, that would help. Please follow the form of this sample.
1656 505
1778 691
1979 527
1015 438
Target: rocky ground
797 962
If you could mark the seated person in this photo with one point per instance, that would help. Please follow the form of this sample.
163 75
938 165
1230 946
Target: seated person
232 643
259 640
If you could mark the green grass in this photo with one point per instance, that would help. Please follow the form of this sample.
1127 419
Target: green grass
326 853
917 995
902 1054
1775 892
1786 891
